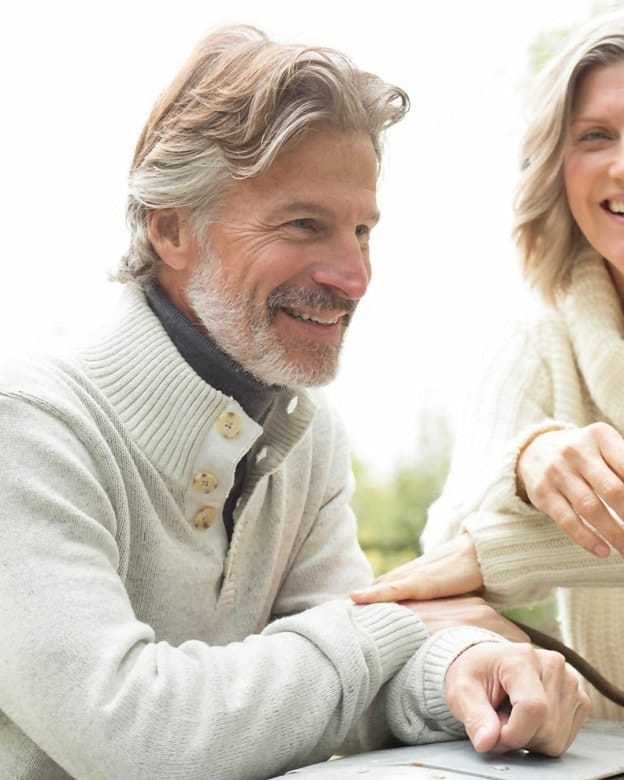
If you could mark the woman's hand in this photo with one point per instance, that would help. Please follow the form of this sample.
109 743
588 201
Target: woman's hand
572 476
434 587
451 570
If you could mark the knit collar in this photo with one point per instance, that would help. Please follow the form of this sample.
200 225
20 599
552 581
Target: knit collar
595 321
208 360
165 406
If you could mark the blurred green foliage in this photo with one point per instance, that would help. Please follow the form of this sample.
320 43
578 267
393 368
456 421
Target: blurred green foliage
545 45
392 512
550 41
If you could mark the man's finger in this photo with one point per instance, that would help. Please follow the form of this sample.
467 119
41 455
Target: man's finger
469 700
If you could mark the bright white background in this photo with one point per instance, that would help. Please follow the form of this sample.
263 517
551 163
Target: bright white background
79 78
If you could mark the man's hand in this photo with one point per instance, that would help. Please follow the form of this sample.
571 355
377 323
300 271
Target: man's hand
451 570
511 696
464 611
572 474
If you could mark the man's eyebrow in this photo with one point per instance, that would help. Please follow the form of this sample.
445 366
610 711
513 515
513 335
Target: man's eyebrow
304 207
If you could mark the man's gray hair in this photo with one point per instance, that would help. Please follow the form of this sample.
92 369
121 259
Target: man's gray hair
233 107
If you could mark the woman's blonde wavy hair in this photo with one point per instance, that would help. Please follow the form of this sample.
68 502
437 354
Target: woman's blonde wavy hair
545 231
236 103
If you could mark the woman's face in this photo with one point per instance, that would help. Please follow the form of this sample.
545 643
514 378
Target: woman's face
594 162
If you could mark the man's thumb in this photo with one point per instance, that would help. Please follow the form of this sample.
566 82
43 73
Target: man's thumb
480 720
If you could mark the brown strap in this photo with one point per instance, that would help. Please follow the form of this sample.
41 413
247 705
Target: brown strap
591 674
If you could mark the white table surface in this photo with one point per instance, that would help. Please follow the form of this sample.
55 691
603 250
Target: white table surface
597 752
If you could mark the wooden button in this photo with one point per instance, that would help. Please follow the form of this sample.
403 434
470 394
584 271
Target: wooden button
205 518
205 482
229 425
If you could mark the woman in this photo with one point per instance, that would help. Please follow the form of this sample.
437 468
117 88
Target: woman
537 479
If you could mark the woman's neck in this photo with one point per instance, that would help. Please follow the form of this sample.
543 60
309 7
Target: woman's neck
618 281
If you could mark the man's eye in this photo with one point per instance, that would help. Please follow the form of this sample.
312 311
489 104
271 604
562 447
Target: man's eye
362 230
305 223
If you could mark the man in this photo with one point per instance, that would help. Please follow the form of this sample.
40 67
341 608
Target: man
176 542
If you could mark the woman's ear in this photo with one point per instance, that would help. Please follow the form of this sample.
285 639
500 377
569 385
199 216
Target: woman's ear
171 237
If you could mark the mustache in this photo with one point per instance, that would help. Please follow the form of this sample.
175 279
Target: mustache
320 299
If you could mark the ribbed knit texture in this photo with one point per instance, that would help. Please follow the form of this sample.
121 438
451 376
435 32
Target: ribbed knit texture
564 369
418 711
135 645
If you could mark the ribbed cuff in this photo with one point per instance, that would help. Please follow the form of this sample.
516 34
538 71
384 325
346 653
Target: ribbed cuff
396 631
436 656
502 494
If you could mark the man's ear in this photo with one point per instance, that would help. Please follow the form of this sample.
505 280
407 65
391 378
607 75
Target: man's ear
171 237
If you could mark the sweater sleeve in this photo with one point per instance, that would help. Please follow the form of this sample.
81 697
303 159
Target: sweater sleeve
89 683
522 553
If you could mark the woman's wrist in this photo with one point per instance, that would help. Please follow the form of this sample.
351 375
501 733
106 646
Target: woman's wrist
521 490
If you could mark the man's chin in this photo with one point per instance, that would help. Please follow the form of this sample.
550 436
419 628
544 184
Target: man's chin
294 374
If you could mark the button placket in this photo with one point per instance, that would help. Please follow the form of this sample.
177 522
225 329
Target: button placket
227 441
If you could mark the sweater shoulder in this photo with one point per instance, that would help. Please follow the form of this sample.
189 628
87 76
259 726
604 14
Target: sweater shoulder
534 336
53 382
327 425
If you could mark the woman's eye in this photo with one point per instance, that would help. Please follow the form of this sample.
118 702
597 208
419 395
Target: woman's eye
594 135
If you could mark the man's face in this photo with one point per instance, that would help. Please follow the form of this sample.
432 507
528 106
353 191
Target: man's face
287 259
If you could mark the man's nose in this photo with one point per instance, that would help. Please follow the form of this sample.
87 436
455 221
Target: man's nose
345 268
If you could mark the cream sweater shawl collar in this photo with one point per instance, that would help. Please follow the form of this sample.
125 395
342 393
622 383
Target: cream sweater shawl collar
595 321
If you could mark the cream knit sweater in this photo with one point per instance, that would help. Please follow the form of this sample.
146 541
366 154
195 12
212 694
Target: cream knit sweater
564 368
134 642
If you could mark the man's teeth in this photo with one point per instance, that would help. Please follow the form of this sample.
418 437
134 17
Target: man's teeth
317 319
616 206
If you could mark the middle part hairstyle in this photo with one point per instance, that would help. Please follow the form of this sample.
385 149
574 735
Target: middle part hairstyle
545 230
238 101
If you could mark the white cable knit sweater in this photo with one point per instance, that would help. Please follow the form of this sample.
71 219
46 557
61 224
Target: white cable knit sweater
562 368
134 643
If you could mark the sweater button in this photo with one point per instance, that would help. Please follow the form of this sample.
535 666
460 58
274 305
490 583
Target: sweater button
205 482
229 425
205 518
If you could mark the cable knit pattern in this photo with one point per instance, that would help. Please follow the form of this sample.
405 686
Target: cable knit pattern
135 642
565 369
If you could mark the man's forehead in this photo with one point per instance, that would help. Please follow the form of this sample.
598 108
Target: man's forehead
328 172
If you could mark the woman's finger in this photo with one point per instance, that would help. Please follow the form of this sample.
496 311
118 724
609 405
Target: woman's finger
451 570
559 509
603 511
